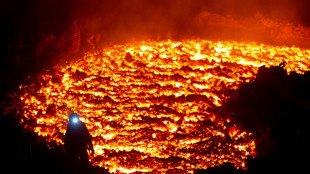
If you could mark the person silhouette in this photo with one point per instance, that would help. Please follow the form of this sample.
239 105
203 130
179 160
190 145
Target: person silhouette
77 140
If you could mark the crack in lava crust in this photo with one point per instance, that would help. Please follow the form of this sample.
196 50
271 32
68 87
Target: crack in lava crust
150 105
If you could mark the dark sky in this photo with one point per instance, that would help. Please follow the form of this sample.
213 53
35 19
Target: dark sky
35 16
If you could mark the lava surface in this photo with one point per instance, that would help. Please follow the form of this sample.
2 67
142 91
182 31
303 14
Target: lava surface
151 106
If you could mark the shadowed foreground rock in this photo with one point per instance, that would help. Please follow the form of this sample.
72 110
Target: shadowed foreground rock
275 106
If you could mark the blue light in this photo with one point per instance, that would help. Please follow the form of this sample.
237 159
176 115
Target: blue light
75 120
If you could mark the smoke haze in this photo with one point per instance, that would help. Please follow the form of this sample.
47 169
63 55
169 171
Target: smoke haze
37 34
128 20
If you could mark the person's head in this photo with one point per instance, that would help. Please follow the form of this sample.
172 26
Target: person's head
74 118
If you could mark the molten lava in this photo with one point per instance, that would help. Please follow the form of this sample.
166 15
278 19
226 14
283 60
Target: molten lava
150 106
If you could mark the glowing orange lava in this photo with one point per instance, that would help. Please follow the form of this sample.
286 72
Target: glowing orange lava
150 105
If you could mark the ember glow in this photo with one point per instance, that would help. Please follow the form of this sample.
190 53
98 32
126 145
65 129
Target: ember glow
150 105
